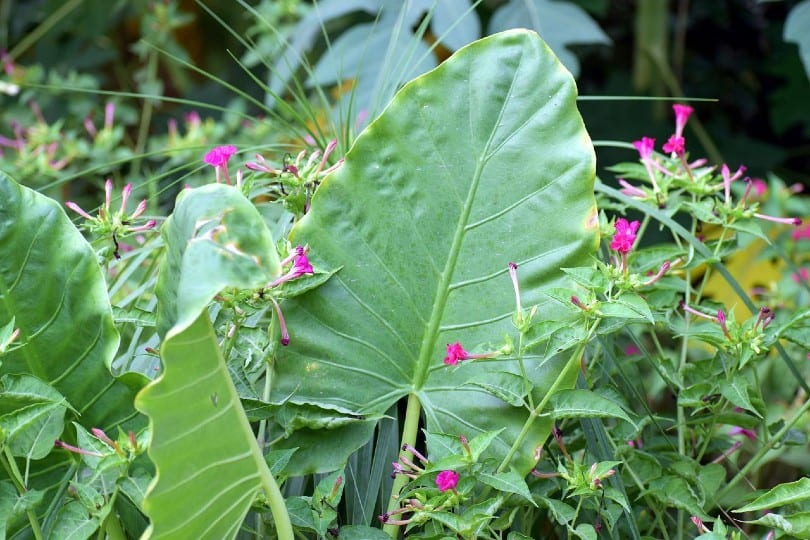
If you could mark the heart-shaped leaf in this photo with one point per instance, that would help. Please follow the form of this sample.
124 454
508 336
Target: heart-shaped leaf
483 161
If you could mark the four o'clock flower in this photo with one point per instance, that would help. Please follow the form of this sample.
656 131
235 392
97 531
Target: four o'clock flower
624 238
447 480
218 158
115 225
682 114
456 353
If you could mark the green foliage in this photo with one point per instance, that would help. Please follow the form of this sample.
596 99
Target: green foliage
376 331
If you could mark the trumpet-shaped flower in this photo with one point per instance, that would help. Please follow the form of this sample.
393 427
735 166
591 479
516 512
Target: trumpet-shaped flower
625 236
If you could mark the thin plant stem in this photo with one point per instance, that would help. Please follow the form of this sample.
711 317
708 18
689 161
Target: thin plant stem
409 431
32 37
754 461
572 364
146 121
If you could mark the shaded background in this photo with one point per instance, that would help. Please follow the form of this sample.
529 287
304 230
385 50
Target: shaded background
731 51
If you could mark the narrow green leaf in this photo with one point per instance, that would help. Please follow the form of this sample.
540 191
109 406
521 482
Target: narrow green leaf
208 464
509 482
361 532
781 495
466 170
796 525
579 403
627 306
736 391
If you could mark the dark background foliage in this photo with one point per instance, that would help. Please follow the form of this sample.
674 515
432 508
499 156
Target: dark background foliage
729 51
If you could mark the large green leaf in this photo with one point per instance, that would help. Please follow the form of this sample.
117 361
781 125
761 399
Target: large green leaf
208 463
209 466
215 238
482 161
51 283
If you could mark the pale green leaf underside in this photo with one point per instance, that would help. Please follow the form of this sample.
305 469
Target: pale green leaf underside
215 238
482 161
208 463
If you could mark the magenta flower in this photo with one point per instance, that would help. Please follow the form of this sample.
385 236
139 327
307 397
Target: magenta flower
801 275
737 430
455 353
625 236
675 145
682 114
447 480
801 232
760 187
301 266
645 147
728 178
219 155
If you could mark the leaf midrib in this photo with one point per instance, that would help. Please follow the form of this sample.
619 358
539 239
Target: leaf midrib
443 287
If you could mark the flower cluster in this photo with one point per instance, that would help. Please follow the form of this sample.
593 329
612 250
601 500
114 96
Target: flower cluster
114 224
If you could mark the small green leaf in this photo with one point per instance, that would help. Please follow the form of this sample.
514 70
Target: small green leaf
73 522
509 482
509 387
481 442
361 532
579 403
32 413
562 512
627 306
585 531
736 391
278 459
795 525
781 495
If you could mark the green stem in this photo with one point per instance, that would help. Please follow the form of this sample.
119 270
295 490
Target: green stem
34 35
754 461
570 367
14 473
277 506
409 431
111 527
143 128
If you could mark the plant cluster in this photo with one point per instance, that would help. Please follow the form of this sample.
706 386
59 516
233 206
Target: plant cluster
432 322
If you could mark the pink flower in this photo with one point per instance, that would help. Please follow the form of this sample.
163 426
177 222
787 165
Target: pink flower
219 155
455 353
760 187
447 480
801 232
737 430
631 350
682 114
301 266
728 178
801 275
675 145
645 147
625 235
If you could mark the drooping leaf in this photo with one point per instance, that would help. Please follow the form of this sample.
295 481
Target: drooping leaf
467 169
579 403
781 495
53 288
52 285
215 238
558 23
795 525
208 464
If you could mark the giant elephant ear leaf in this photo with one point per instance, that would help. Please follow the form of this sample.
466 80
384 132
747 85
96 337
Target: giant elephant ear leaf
53 288
481 162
